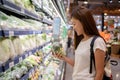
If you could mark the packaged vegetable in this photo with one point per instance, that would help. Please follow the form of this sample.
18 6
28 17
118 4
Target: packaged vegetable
57 48
7 50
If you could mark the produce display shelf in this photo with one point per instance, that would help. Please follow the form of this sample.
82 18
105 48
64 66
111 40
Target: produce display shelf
44 11
7 5
11 63
8 33
18 10
29 74
47 21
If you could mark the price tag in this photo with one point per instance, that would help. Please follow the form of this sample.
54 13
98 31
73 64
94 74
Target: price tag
30 53
26 55
11 33
20 59
33 32
11 64
22 10
33 71
30 74
36 50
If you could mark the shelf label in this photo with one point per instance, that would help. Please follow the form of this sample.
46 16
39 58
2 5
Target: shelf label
36 50
22 10
26 55
20 59
34 32
30 53
11 64
33 72
30 74
11 33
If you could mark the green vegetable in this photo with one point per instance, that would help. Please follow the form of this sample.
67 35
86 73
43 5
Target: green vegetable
57 48
44 36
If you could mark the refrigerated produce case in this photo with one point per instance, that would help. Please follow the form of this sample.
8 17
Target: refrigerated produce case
26 41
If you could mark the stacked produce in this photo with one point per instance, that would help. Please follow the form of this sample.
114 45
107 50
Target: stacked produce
37 24
17 47
27 4
50 71
7 50
14 46
35 75
20 69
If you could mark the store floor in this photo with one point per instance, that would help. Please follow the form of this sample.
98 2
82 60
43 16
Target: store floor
69 68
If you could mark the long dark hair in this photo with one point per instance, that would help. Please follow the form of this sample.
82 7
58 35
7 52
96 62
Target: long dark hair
85 17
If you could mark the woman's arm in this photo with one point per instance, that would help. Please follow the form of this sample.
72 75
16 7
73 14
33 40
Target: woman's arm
99 63
64 58
69 61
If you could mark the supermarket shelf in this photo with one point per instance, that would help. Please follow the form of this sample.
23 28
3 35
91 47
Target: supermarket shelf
47 21
7 5
11 63
29 74
47 13
8 33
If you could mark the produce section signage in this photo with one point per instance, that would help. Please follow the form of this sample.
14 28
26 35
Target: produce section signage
56 27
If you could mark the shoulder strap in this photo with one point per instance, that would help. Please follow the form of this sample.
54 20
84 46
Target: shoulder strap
92 53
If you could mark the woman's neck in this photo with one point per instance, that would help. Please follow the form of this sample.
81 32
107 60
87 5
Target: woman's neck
86 37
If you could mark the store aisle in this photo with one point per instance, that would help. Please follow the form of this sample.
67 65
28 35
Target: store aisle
69 68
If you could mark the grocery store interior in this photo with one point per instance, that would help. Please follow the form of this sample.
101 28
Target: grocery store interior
31 29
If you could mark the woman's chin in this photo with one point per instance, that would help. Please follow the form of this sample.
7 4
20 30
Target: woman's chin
78 34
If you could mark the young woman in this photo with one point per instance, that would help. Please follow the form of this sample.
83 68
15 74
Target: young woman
85 29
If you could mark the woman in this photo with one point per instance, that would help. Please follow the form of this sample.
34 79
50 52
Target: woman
85 29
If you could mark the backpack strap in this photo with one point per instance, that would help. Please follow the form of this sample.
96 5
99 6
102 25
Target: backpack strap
92 53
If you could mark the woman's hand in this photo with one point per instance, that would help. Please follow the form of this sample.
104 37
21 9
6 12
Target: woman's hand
59 56
63 57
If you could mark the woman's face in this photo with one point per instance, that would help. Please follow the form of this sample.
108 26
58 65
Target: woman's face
77 26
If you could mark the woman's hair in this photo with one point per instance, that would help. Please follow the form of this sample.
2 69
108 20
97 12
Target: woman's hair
86 18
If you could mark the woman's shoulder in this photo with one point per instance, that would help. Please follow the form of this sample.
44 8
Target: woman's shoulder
100 39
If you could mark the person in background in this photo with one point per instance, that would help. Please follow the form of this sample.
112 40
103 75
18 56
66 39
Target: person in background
85 29
70 32
70 38
106 35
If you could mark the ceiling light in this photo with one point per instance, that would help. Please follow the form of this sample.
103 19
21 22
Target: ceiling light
118 1
105 14
110 1
85 2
